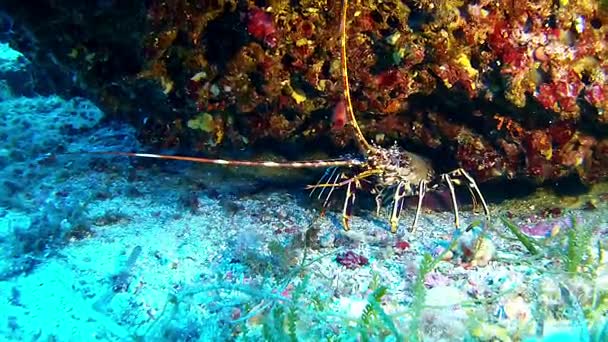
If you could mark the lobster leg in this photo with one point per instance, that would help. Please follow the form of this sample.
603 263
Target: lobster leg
379 199
474 198
329 173
397 206
340 175
348 205
421 193
448 180
356 178
351 185
473 188
455 177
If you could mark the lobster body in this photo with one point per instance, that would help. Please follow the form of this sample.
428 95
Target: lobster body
399 166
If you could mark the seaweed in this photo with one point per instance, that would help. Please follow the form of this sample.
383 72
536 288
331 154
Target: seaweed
578 245
575 312
374 320
527 242
419 290
281 317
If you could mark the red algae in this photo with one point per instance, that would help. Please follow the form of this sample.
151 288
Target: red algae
351 260
338 119
261 26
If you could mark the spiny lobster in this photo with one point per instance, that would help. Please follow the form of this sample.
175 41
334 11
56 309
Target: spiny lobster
387 170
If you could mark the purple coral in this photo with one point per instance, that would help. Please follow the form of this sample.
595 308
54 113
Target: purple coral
351 260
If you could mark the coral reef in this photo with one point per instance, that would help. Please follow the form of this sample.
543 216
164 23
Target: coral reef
514 90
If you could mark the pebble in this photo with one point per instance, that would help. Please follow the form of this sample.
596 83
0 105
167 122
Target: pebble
327 240
484 252
445 296
517 308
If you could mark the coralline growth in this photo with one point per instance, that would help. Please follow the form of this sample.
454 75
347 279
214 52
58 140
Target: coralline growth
512 89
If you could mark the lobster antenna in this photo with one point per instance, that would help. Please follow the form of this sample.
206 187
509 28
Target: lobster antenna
308 164
363 144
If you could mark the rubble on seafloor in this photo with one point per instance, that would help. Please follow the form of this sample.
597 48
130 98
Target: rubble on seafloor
513 90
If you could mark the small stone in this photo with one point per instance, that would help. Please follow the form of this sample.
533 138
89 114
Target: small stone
517 308
483 253
448 256
327 240
444 296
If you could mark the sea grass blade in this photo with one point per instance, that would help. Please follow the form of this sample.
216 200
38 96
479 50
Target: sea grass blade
520 236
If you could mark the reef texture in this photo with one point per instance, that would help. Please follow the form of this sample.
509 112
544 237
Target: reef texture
513 89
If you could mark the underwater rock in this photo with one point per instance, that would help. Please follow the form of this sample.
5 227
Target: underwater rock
69 117
523 98
16 74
